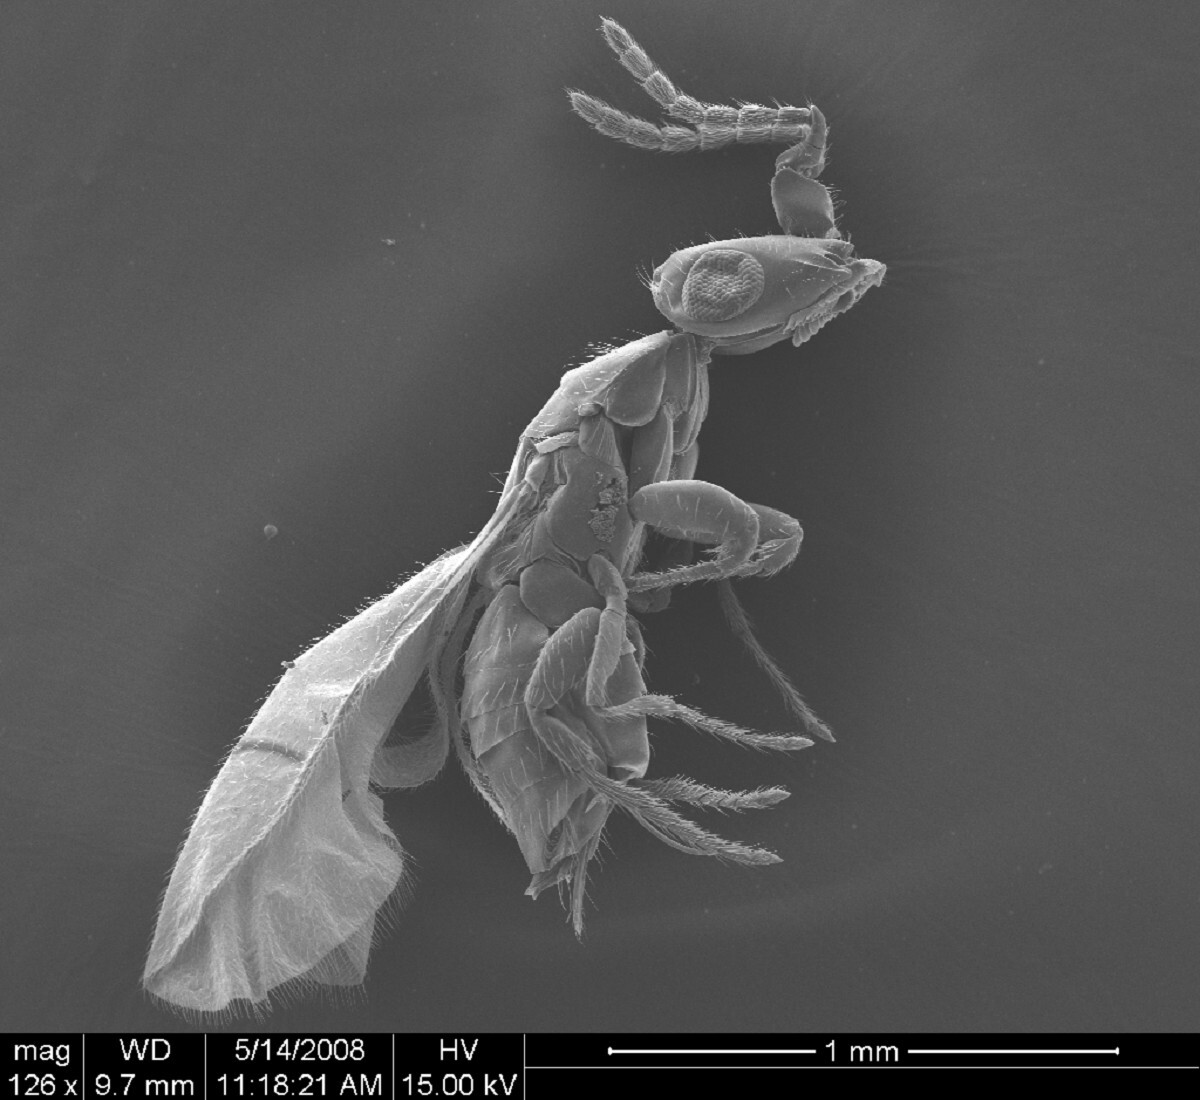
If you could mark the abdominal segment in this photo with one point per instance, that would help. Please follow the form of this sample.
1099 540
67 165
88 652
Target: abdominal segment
551 808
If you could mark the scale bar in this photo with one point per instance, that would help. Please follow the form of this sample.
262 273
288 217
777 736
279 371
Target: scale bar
705 1050
1017 1050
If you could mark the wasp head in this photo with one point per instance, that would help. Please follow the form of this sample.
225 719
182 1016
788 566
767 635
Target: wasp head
752 292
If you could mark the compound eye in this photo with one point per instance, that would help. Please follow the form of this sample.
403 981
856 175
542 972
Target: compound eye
722 284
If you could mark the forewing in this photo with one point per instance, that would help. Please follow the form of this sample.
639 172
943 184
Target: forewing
289 857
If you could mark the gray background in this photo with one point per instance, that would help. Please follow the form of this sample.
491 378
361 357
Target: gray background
207 328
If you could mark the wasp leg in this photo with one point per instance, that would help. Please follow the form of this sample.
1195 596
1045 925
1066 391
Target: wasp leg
701 512
589 650
707 513
779 539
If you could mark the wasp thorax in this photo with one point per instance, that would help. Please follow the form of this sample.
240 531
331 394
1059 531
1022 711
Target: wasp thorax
722 284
